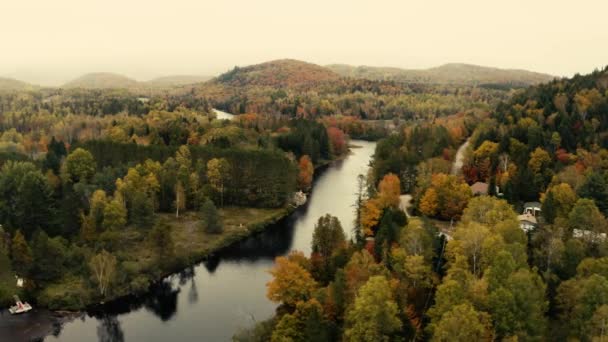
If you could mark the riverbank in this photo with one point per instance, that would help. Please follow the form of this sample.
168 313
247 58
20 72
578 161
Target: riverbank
138 265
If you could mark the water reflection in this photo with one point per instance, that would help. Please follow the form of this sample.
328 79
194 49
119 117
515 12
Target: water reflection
109 330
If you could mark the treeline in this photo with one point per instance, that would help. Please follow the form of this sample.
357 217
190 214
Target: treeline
369 100
258 178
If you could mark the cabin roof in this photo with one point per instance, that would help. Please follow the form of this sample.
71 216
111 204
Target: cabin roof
480 188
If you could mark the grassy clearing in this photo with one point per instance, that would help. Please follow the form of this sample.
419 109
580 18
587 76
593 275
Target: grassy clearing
138 264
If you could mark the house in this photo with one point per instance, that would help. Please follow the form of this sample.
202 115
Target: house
479 189
527 222
532 208
588 235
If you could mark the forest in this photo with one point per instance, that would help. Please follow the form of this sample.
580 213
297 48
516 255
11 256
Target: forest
104 192
466 266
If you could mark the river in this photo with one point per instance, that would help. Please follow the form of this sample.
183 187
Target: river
214 299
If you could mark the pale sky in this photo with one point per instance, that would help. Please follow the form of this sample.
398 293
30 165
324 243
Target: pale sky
52 41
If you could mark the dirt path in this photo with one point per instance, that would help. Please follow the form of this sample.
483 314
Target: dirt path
405 202
459 160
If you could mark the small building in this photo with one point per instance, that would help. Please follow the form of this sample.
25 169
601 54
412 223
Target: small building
527 222
479 189
532 208
588 235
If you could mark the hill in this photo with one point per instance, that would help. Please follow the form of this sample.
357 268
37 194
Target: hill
101 80
279 73
13 84
453 73
176 80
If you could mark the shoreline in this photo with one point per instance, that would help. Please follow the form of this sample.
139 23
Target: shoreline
42 321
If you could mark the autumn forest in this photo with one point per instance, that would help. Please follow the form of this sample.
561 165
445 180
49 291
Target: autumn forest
481 215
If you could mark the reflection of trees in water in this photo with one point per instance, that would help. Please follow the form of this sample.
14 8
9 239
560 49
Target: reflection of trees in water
193 293
267 245
109 330
163 300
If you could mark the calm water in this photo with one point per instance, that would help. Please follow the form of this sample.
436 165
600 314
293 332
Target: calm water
211 301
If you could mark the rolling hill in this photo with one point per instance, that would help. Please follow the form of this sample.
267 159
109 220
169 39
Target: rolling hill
453 73
278 73
102 80
13 84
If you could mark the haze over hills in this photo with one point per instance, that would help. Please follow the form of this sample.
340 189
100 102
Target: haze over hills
177 80
101 80
13 84
452 73
107 80
290 73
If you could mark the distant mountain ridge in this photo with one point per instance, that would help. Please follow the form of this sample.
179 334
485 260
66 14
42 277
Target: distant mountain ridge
452 73
107 80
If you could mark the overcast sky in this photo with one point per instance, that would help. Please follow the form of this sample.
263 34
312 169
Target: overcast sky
51 41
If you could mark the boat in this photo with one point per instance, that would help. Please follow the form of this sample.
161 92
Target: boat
19 307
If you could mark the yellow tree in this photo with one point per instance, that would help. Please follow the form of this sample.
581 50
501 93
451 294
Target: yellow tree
428 203
389 190
217 173
370 215
291 283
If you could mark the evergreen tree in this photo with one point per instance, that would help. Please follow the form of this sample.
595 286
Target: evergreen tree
210 218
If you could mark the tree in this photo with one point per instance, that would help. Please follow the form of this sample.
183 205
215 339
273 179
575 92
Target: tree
305 174
461 324
50 255
428 203
579 299
374 314
562 198
21 254
337 140
327 236
470 239
210 218
389 190
142 209
595 187
218 172
413 269
287 329
370 216
103 267
358 227
180 198
80 166
358 270
34 207
599 330
98 203
162 243
451 196
291 283
115 214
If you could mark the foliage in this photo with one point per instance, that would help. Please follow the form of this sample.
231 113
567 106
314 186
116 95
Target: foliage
374 315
